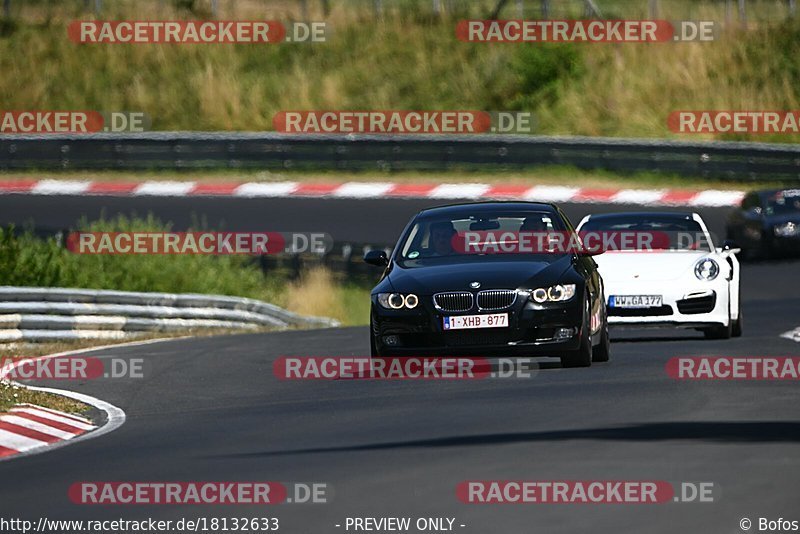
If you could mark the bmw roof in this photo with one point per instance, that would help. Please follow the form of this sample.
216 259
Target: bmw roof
487 207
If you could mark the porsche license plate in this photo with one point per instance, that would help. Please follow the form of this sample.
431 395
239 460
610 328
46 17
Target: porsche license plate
634 301
462 322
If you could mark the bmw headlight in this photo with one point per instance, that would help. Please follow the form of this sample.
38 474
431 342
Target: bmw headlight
557 293
787 229
398 301
706 269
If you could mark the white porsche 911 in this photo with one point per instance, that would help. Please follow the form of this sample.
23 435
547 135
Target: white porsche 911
682 281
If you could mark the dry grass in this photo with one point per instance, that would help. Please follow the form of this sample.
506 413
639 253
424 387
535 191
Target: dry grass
407 59
12 394
315 293
319 292
630 90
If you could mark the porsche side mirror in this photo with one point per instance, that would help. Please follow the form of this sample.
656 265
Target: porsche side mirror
729 245
588 252
376 257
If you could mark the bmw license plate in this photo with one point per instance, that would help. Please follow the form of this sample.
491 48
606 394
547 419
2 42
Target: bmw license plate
634 301
462 322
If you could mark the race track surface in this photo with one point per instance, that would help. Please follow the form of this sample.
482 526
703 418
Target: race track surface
377 221
210 409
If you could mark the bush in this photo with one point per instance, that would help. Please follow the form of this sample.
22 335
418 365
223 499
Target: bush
26 260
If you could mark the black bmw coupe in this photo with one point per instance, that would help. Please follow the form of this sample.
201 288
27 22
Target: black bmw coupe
767 223
439 297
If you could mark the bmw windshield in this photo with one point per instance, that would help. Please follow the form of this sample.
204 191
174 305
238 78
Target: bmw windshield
495 236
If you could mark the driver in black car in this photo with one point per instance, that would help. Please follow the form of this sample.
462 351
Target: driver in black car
441 239
533 224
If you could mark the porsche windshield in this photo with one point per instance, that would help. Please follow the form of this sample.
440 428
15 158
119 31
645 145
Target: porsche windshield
669 232
784 202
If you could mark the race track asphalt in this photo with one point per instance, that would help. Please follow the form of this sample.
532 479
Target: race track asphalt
211 409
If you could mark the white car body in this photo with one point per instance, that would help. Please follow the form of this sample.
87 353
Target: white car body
671 274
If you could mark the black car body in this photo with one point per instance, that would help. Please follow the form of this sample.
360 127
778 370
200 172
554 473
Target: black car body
767 223
444 287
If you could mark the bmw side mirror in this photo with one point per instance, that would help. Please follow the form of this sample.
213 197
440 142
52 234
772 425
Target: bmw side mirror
376 257
729 245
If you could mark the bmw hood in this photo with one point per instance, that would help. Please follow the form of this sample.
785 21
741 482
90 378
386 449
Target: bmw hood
491 275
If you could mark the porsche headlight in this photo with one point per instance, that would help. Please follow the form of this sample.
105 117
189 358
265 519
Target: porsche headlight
397 301
787 229
557 293
706 269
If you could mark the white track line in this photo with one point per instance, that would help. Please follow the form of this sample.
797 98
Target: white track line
794 335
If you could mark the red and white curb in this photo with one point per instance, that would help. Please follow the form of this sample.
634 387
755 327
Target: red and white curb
27 427
66 428
375 190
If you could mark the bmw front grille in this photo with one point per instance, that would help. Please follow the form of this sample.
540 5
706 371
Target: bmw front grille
462 301
496 299
455 301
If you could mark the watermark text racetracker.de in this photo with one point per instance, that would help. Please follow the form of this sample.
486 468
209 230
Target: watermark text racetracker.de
583 492
404 122
735 121
211 243
72 368
120 32
211 493
77 122
585 31
734 368
566 242
400 368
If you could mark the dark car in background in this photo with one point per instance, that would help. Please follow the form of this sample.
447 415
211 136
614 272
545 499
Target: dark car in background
767 223
434 298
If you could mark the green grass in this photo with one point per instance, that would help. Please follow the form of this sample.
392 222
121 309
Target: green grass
26 260
11 395
407 59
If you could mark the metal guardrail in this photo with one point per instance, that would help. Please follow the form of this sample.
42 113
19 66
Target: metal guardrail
199 150
46 314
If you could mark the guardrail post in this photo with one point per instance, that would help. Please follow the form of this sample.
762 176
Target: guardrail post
742 13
